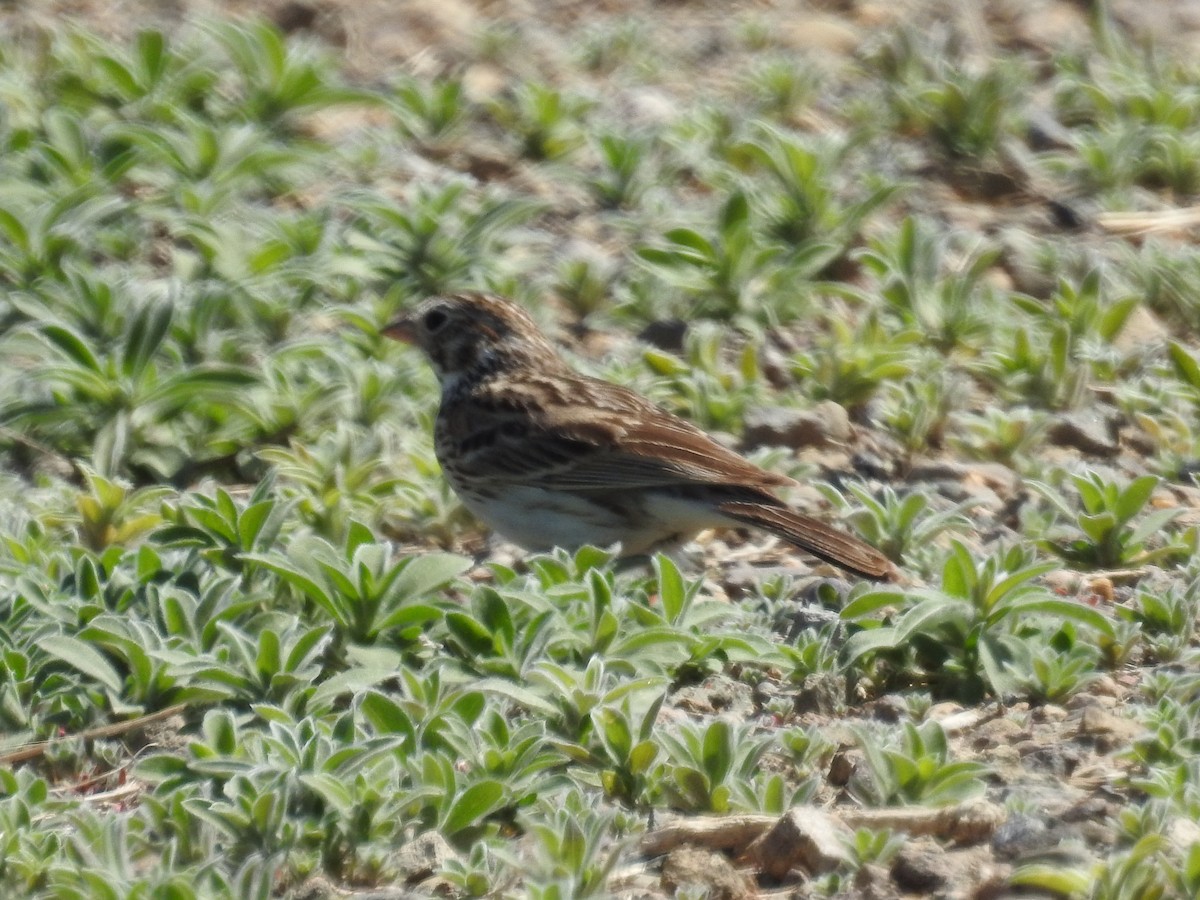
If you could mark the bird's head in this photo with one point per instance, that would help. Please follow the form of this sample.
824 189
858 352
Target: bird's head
465 332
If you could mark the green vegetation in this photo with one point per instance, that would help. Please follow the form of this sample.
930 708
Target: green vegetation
220 507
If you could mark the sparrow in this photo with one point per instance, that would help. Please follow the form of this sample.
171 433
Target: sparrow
547 456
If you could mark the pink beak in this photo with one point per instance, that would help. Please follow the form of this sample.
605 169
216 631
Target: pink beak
400 330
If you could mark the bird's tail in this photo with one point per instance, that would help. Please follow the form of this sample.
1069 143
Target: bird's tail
813 536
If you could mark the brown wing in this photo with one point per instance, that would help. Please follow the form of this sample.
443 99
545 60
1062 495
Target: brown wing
576 433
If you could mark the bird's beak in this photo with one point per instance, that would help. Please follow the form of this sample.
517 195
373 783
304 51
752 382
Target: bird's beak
401 330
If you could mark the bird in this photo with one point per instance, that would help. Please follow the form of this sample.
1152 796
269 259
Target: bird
549 457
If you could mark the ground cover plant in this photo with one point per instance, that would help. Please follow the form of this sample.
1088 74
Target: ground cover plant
938 267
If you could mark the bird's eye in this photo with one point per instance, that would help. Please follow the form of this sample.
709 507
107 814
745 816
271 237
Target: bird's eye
434 319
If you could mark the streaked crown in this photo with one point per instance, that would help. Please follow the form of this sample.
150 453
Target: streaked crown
470 331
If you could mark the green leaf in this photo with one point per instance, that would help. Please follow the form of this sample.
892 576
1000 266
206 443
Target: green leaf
1097 527
1151 524
1054 880
474 636
996 656
718 751
1186 366
523 696
13 229
286 569
72 345
615 728
927 617
672 593
702 249
268 660
146 333
429 572
642 756
1063 609
251 521
871 602
384 714
83 657
735 212
408 616
475 803
1135 496
869 641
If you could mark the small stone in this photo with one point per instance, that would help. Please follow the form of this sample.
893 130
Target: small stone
1106 686
665 334
823 693
843 766
1082 701
650 106
825 424
293 16
1087 432
1018 835
995 477
999 732
1184 833
1106 730
921 867
889 708
1063 582
815 32
1048 713
872 882
1142 332
704 872
806 837
1059 760
423 857
940 711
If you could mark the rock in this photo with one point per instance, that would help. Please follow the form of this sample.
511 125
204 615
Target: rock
423 857
816 32
1059 760
999 732
1019 835
825 424
716 694
1088 433
888 708
1101 686
704 872
1048 713
823 693
1046 27
939 712
665 334
793 623
843 765
1044 132
801 837
1183 833
1142 332
483 82
1106 731
293 16
921 866
1092 808
872 882
995 477
1063 582
651 106
1084 700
